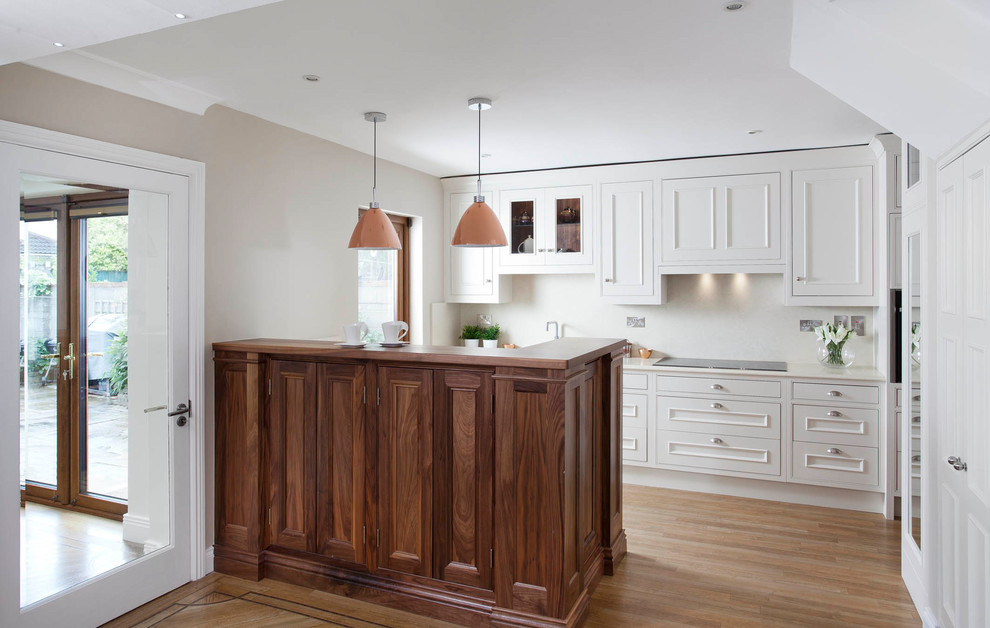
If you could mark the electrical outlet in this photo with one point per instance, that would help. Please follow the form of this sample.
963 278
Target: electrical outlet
809 325
484 319
859 325
635 321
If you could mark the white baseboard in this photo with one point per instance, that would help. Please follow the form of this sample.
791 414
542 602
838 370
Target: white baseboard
137 529
864 501
208 560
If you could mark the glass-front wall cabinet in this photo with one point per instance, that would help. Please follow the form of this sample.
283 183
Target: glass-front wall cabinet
548 227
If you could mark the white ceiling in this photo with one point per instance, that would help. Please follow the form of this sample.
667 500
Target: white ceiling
573 81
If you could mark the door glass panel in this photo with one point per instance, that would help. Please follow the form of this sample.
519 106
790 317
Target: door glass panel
567 225
522 240
112 478
377 277
911 497
103 356
40 357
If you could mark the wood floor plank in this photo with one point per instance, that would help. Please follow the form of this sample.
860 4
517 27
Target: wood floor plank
695 560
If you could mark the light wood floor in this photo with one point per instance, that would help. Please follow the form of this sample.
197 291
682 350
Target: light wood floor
694 560
61 548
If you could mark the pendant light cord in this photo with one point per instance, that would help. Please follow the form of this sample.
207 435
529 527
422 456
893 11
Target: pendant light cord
479 149
374 181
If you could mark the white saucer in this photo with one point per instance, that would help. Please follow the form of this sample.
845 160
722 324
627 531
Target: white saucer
354 346
401 343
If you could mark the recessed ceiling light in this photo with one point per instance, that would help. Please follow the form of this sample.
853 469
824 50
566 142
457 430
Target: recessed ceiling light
312 78
58 44
755 131
181 16
734 6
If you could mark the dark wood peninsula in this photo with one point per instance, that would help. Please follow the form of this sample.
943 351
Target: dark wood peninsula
478 486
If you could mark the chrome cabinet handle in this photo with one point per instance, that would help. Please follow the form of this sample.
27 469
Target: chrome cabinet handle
717 406
717 441
717 387
916 458
834 413
916 419
799 278
488 281
834 393
833 450
607 280
916 398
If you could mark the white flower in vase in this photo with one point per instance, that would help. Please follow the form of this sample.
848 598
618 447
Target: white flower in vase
832 340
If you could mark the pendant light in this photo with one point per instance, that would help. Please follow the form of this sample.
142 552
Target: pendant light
479 226
374 230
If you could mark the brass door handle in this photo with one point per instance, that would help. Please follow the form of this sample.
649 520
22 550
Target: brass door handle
71 357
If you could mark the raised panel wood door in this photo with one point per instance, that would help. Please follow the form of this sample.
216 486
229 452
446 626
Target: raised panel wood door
832 232
405 470
340 456
292 455
464 458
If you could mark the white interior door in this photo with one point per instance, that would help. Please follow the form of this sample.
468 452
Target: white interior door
159 475
963 466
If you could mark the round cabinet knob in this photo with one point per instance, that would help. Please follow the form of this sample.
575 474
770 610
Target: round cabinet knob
717 406
488 281
834 413
834 393
607 280
717 387
717 441
835 451
799 278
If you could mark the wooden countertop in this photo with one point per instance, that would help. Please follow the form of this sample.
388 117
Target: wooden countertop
564 353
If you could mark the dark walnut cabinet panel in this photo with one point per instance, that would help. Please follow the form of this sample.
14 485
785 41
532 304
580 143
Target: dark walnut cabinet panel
481 488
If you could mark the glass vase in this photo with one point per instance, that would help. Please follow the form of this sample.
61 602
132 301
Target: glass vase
836 356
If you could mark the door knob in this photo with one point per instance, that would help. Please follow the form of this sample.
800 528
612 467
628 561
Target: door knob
957 463
181 411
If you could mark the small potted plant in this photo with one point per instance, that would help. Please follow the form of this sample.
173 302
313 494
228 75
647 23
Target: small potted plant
489 336
471 334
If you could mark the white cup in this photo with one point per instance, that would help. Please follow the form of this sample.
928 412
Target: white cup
354 333
394 331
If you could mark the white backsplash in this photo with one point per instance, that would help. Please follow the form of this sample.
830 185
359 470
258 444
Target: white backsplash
732 316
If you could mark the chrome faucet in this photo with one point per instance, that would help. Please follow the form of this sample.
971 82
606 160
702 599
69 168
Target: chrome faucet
556 329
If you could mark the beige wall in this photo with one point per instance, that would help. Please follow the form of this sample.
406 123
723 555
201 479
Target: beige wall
705 316
280 206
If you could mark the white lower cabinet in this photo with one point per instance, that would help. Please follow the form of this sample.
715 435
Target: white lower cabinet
787 429
719 452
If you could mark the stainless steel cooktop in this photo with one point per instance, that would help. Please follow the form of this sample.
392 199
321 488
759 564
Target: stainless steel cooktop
740 365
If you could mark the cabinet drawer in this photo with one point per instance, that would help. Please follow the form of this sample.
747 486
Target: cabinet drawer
837 393
915 431
915 473
635 381
725 452
846 464
836 425
723 416
915 397
718 386
634 409
634 443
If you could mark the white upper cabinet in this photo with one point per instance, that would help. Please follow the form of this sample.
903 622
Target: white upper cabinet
832 237
549 230
726 224
628 272
471 272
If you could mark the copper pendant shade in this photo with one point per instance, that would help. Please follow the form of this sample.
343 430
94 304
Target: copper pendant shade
479 226
374 230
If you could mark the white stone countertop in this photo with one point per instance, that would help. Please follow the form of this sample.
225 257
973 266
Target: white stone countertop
795 370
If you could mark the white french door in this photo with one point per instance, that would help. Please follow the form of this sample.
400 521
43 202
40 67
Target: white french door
963 418
159 460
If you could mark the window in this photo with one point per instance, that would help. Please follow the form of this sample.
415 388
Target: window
383 283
